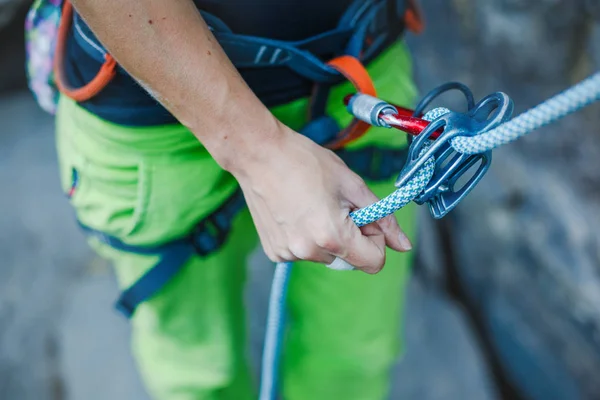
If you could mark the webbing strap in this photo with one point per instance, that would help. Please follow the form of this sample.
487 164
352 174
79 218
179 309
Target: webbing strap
171 262
172 257
106 73
207 237
250 52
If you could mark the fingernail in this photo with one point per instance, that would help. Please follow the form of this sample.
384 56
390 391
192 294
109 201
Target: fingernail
404 242
340 265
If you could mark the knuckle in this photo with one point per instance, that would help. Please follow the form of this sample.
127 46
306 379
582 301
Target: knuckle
329 241
378 266
374 265
303 249
358 183
272 255
282 254
373 269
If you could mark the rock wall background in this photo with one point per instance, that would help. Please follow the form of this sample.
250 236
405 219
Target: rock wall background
522 251
505 298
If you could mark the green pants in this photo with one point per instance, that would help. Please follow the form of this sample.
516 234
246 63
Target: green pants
150 185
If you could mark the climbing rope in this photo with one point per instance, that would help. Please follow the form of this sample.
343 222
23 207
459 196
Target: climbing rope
571 100
416 180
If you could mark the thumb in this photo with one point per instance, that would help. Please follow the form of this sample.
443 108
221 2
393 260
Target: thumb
394 237
365 248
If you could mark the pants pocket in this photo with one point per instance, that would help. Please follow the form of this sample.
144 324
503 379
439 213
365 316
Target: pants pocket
184 190
108 193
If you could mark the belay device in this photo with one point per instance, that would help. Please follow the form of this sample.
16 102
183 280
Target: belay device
434 134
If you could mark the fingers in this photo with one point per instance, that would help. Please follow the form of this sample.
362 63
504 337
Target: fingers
308 249
394 237
347 247
308 218
281 246
365 248
362 196
272 248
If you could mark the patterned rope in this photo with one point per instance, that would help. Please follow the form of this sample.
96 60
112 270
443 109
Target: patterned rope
562 104
400 198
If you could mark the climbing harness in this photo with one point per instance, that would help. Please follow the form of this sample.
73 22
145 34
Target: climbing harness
448 144
56 36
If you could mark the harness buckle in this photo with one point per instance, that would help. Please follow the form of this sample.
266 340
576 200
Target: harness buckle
210 234
441 193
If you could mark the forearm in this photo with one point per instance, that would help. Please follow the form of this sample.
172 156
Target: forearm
167 47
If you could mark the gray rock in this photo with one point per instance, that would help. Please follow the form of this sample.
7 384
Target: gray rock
526 240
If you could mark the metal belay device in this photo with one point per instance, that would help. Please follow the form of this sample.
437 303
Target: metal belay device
434 132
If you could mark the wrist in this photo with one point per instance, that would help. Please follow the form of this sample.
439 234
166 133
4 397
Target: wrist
247 150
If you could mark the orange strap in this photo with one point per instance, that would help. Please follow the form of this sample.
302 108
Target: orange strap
104 76
414 18
355 72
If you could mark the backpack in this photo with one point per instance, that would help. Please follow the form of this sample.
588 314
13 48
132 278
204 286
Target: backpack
41 32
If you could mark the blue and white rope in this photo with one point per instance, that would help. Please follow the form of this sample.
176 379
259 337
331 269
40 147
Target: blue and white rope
573 99
567 102
398 199
274 331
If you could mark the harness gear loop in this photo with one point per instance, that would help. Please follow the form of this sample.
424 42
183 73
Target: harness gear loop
353 70
106 73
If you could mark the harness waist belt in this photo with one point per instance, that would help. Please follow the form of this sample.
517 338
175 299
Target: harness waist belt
277 71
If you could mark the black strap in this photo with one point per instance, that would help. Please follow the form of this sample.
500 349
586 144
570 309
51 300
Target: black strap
212 232
171 262
208 236
374 163
395 16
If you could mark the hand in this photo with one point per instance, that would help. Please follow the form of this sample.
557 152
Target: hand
300 196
